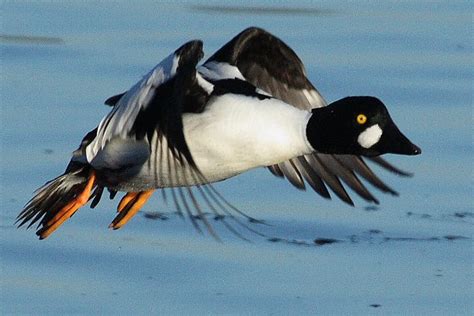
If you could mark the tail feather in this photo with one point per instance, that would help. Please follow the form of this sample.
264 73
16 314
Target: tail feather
52 197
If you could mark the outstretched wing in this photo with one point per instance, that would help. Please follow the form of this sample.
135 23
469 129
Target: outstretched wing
267 62
153 107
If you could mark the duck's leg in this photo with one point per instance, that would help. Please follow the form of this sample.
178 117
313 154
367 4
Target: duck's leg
130 204
125 200
68 210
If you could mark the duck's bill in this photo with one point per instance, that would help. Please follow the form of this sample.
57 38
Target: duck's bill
394 142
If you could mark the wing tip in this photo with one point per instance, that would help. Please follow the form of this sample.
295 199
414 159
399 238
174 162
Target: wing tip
191 51
349 201
390 167
112 101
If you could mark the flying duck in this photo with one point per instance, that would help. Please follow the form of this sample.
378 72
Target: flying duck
185 126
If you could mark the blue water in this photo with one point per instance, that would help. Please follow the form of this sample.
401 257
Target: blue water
412 254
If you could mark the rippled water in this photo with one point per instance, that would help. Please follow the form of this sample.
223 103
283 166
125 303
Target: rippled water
412 254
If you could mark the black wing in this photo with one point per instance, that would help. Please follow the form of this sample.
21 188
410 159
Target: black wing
267 62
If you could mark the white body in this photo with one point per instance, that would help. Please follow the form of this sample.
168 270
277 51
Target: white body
234 134
238 135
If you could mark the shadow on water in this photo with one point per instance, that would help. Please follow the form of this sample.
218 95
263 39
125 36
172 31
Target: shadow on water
29 39
372 236
260 10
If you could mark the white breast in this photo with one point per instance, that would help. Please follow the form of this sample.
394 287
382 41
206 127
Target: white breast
237 133
370 136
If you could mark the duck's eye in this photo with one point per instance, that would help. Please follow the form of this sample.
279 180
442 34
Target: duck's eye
361 119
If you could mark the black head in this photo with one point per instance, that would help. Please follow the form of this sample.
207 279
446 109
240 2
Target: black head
358 126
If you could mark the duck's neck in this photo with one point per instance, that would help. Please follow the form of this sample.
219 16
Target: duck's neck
327 132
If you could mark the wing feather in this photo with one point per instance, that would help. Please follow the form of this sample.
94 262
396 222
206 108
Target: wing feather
154 105
312 177
292 173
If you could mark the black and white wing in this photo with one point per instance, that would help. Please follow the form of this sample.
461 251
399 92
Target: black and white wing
267 62
147 120
151 109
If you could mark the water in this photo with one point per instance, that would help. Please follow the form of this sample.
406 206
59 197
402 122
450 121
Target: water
409 255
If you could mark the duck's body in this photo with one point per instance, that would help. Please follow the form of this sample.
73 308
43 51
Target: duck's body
237 128
182 126
236 135
232 135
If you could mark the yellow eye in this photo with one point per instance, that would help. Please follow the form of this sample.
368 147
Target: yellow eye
361 119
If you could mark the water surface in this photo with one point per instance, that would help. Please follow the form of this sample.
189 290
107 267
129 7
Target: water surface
412 254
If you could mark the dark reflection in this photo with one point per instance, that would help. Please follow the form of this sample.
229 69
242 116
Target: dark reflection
29 39
260 10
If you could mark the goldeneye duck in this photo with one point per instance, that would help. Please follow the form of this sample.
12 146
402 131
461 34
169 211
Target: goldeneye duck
183 126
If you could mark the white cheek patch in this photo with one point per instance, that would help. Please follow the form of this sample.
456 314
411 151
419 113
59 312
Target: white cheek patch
370 136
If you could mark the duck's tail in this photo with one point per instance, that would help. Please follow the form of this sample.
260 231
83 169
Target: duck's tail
58 200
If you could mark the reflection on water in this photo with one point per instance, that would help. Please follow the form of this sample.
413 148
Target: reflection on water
28 39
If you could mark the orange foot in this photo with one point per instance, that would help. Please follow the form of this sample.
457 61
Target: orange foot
130 204
68 210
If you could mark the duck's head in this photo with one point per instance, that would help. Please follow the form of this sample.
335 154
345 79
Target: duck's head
357 125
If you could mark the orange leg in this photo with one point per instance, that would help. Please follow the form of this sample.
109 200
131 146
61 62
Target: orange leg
68 210
135 201
126 199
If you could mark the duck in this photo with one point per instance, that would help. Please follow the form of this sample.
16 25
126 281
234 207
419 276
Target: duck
186 126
